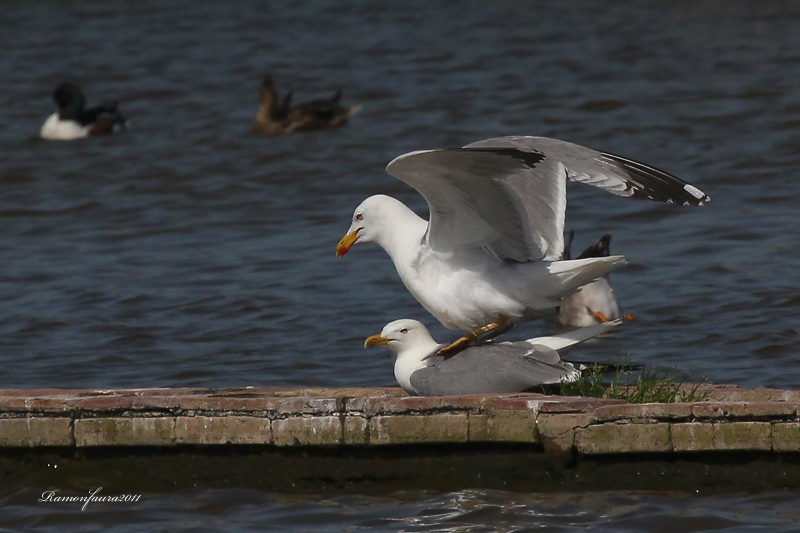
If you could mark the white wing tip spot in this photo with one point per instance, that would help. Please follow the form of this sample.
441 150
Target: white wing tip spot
694 191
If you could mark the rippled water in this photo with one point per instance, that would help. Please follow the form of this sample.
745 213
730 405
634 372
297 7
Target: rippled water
188 252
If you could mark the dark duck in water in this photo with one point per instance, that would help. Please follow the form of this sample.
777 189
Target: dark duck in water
276 116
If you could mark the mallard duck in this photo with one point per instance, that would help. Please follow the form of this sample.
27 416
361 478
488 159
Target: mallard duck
74 121
276 116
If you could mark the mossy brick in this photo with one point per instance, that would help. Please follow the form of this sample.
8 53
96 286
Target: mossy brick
502 426
355 430
723 436
405 429
118 431
307 431
692 437
478 427
512 426
743 436
786 437
222 430
33 432
623 438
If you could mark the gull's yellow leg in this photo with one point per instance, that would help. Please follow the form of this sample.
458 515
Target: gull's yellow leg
501 325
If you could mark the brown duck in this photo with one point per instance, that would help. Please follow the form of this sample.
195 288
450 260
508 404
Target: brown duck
277 116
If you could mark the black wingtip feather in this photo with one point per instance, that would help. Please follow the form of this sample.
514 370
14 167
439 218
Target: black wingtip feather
654 184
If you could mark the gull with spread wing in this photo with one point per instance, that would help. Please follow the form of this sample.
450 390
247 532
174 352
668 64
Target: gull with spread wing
489 253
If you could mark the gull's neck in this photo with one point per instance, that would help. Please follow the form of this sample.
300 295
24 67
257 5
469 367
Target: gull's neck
402 234
412 359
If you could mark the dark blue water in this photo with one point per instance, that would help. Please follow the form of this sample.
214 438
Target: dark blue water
188 252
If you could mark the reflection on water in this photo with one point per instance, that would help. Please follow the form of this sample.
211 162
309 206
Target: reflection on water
467 510
188 252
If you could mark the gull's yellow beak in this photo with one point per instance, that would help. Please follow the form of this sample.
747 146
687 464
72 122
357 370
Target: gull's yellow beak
376 340
346 242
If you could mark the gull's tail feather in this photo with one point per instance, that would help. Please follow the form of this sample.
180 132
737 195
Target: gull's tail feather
569 339
576 273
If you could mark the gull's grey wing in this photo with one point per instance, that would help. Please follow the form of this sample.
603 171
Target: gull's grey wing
507 201
615 174
492 368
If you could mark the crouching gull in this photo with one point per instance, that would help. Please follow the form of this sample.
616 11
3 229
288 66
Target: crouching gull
488 255
485 368
594 302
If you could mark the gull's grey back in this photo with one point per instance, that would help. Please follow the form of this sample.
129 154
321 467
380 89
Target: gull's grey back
492 368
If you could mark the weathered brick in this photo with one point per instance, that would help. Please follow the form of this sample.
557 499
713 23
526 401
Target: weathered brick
557 431
371 406
402 429
745 395
223 404
623 438
573 404
52 404
222 430
306 405
117 431
518 402
743 409
629 411
303 431
31 432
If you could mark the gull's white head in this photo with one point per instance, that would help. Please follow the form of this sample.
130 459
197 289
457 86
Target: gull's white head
410 344
406 339
369 221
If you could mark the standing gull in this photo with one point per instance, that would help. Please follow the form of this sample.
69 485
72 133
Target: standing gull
487 368
489 253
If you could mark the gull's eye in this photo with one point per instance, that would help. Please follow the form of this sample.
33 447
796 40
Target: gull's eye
359 216
404 330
